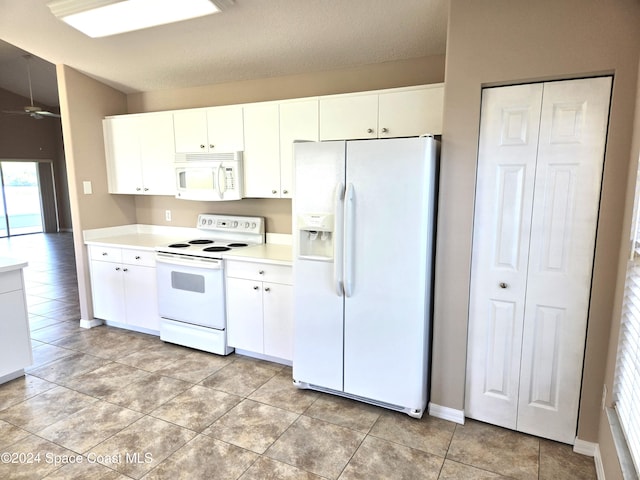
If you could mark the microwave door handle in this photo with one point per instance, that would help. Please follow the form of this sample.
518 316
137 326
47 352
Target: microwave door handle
220 189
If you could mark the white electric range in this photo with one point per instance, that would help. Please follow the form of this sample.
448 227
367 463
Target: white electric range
190 274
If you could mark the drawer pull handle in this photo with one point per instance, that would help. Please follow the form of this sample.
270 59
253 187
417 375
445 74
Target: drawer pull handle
104 254
255 287
267 289
261 272
137 257
117 269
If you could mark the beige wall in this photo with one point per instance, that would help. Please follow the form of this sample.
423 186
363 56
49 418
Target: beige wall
494 42
402 73
84 102
605 440
277 213
25 138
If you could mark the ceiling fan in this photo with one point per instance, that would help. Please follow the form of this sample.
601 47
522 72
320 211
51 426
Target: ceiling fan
31 110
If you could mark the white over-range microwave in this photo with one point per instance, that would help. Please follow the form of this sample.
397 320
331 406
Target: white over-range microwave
209 176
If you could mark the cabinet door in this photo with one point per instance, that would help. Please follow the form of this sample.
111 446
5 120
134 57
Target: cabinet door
15 344
157 154
107 291
190 131
278 320
298 121
349 116
122 151
225 130
262 151
411 113
141 297
244 314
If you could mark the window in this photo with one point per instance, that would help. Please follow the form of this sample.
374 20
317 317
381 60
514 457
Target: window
627 376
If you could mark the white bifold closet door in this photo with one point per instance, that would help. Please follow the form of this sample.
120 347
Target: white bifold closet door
540 163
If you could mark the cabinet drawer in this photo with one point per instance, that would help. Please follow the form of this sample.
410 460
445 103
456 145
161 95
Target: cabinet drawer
105 254
252 271
145 258
10 281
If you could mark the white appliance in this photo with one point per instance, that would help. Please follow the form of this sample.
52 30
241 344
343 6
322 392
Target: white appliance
363 226
209 176
190 275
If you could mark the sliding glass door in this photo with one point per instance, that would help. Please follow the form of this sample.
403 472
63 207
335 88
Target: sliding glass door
20 208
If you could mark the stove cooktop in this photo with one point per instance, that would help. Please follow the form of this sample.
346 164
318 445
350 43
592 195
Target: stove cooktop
220 233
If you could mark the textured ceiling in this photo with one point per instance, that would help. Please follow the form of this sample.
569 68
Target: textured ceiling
251 39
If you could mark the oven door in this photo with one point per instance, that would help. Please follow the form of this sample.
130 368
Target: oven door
191 289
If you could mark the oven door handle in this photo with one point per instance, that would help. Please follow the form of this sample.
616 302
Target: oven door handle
189 261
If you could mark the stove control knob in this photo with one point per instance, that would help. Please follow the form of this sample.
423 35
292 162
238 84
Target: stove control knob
253 225
209 222
246 225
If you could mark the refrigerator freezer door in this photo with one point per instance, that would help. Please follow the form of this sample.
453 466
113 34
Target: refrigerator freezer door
386 326
318 306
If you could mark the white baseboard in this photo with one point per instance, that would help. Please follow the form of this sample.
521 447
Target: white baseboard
590 449
585 448
446 413
94 322
597 458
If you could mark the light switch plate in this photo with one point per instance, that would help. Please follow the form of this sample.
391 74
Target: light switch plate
87 188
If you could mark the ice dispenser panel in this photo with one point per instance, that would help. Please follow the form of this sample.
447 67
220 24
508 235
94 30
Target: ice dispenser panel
315 232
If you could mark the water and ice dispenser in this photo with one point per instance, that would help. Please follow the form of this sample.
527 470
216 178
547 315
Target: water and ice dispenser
315 232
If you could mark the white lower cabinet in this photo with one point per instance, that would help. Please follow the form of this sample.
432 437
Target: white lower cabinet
123 284
15 342
259 308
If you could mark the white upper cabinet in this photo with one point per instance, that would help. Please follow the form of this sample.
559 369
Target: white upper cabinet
298 121
349 116
225 129
216 129
403 112
410 113
140 154
262 150
157 154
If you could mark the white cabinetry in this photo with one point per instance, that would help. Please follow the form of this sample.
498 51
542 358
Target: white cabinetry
395 113
259 308
140 154
123 283
15 342
270 129
262 150
209 130
298 121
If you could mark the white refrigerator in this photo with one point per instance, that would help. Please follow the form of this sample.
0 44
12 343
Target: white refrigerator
363 227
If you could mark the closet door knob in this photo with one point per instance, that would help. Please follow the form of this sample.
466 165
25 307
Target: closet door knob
503 285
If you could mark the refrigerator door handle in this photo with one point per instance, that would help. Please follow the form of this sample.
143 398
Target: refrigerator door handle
348 240
338 241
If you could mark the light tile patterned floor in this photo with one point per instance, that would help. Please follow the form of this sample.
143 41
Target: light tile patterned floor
107 403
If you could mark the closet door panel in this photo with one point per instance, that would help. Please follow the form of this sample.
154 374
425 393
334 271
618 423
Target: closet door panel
563 229
504 192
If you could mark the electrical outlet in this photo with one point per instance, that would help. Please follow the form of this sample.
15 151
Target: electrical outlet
604 396
167 215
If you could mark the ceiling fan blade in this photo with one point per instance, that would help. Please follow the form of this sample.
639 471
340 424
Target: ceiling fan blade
15 112
44 113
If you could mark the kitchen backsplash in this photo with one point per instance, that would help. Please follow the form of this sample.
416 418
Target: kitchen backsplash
151 210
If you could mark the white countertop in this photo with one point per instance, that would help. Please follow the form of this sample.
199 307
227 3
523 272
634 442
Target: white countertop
267 253
148 237
8 264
